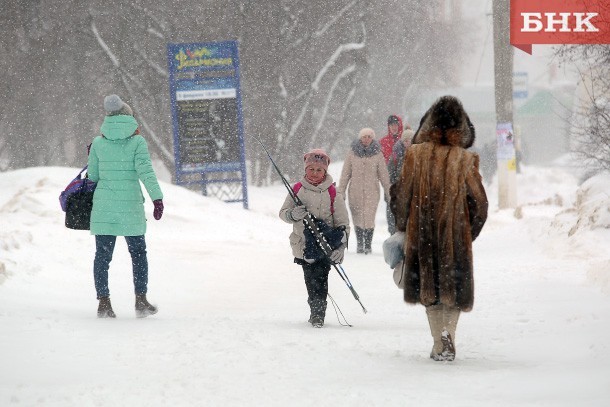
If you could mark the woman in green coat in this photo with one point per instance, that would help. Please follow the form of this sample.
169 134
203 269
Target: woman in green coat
118 161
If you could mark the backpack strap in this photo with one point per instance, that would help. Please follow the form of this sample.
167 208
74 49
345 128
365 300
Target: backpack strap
297 187
332 191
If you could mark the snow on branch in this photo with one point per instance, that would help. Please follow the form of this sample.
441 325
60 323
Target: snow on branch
156 67
169 156
153 18
333 20
344 73
314 86
353 46
105 47
155 33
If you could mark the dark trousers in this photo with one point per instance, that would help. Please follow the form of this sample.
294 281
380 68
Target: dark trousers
316 279
104 247
391 220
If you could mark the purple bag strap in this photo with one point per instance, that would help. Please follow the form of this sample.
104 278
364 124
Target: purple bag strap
83 170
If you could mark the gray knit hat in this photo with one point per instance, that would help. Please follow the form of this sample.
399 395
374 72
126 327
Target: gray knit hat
114 105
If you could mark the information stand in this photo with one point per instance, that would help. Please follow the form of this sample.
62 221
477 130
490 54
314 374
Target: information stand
207 118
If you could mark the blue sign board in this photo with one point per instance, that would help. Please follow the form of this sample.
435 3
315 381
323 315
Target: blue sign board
207 118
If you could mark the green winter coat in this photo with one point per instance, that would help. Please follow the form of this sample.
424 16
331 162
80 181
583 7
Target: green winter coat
118 161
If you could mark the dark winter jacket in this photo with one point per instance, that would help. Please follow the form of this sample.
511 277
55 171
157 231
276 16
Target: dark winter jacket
396 160
440 202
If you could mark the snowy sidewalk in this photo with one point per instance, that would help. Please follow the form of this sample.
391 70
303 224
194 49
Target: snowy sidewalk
232 330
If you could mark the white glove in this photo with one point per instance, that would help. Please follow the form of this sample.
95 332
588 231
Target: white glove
298 213
337 255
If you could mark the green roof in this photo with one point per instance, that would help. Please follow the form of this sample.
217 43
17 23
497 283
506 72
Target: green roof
540 104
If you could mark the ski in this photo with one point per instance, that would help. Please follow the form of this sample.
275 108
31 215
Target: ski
310 223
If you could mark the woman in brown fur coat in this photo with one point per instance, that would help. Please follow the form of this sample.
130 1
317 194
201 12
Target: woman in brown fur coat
440 202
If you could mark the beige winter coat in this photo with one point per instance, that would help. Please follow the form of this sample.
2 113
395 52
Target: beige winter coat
317 201
361 176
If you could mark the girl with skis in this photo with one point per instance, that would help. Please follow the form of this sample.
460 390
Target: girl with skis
317 194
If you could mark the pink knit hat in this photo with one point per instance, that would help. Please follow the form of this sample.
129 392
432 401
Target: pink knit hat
317 156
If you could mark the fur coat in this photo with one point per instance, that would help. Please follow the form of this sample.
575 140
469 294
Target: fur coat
440 202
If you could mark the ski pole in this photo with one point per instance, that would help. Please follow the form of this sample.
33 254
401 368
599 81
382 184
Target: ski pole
309 222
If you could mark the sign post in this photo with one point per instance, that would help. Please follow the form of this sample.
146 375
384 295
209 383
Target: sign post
207 119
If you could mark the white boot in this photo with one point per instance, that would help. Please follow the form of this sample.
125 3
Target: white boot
450 320
435 319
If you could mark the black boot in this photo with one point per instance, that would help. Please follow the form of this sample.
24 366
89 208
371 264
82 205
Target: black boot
143 307
360 240
318 312
368 240
104 309
311 313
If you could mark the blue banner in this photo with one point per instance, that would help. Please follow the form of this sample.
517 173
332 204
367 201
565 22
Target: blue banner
207 117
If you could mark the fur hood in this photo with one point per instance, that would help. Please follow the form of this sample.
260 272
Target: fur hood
361 151
446 123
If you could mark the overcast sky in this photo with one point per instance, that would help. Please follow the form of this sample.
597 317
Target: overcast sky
539 66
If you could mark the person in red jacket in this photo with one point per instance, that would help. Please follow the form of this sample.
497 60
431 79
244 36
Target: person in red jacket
387 145
394 133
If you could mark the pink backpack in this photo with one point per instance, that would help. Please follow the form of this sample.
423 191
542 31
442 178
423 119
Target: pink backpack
332 191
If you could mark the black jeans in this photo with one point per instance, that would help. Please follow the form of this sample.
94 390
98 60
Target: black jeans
316 279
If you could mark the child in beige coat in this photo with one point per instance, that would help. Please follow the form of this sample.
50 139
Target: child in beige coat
319 198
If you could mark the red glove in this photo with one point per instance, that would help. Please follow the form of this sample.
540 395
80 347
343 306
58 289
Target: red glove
158 212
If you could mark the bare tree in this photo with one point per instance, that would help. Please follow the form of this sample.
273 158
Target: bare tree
23 37
312 72
130 40
413 47
590 135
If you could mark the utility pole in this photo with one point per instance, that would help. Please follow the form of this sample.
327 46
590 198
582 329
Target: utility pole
503 78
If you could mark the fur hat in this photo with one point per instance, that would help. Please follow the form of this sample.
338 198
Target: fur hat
317 156
114 106
366 132
446 122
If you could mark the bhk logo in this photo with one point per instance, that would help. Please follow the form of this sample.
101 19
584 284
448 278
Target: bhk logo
564 22
559 22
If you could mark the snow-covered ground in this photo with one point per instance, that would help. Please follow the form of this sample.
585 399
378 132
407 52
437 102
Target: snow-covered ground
232 327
